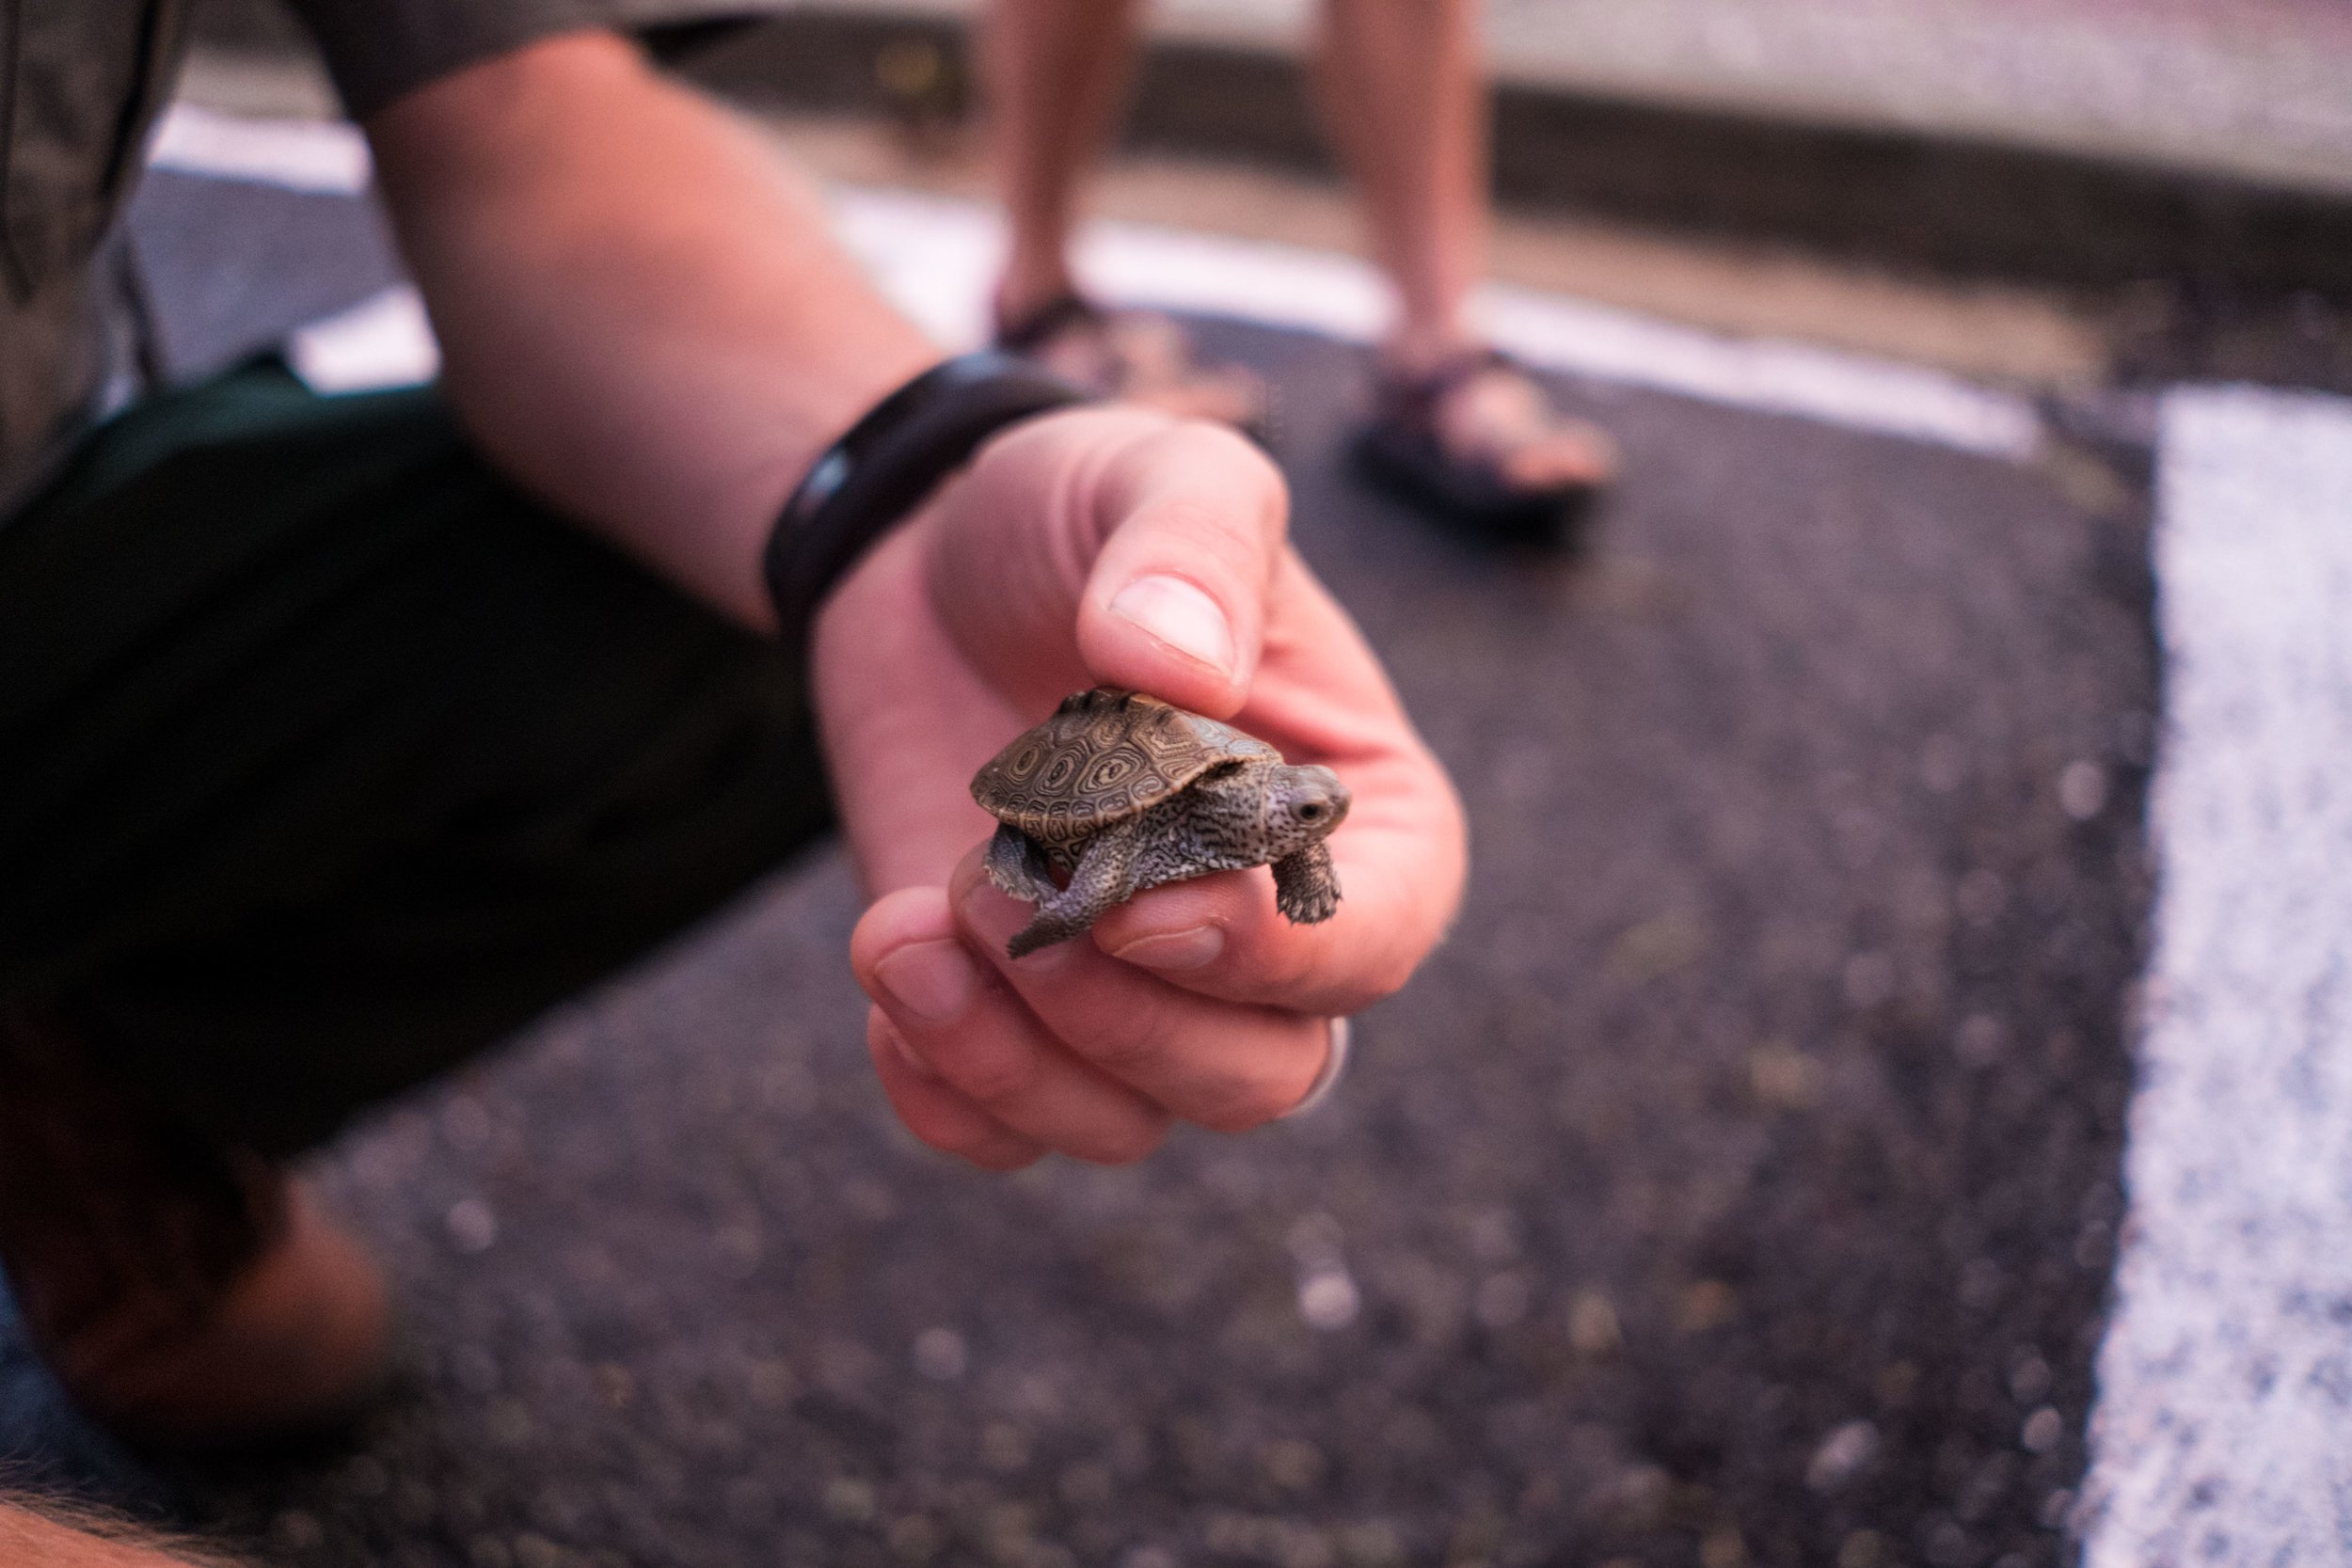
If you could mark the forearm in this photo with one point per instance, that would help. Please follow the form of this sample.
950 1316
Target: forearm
641 315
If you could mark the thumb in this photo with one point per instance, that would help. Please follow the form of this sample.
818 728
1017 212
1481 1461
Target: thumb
1192 520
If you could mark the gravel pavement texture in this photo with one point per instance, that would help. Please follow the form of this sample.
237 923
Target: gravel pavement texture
1739 1185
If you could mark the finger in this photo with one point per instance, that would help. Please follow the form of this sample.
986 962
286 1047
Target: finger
1222 1065
1155 538
1401 856
962 1022
936 1113
1222 937
1191 522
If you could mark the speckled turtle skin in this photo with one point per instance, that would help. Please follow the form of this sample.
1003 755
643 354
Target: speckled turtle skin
1121 792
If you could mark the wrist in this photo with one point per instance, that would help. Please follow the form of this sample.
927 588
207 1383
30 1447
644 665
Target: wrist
886 465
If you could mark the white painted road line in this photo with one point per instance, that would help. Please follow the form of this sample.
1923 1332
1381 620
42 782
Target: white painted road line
936 258
2223 1428
326 157
385 340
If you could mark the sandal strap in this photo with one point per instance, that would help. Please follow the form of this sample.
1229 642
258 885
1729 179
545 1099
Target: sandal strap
1119 361
1071 315
1412 400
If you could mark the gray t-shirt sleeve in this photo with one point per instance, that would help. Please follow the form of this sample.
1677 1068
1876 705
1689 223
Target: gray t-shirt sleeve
378 48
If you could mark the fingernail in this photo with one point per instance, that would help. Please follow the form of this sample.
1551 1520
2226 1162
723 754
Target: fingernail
932 980
1175 950
1181 616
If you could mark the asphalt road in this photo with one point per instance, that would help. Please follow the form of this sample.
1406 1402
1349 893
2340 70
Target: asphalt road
1739 1185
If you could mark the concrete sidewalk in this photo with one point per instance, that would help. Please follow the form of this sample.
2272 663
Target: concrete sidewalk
2088 141
2251 90
2260 90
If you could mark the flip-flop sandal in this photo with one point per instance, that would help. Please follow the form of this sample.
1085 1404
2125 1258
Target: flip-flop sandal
1140 356
1404 449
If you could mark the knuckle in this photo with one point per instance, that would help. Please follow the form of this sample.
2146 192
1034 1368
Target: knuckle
1221 545
1250 461
1126 1055
1214 440
1138 1039
994 1078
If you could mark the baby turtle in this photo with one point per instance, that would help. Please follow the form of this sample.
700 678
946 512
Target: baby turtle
1123 792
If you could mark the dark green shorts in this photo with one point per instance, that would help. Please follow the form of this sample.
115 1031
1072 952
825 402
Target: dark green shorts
327 757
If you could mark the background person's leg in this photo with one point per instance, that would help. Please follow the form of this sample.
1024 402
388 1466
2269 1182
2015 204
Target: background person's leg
1056 73
1403 96
1404 99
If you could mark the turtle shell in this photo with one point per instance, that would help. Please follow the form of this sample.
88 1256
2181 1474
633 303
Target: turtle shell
1103 757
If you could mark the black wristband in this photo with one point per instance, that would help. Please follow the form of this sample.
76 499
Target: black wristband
887 464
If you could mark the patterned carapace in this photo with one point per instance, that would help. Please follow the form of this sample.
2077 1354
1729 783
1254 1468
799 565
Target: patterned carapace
1103 757
1120 792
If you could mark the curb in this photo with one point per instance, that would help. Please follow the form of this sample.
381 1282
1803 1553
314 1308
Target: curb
1911 199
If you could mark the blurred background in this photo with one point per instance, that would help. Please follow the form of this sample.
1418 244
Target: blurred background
1744 1183
2157 188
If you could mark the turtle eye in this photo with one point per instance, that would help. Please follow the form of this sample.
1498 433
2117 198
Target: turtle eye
1308 810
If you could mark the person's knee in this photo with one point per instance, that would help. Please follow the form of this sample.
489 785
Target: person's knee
64 1537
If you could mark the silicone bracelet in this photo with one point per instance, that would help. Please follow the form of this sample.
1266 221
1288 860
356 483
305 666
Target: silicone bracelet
889 462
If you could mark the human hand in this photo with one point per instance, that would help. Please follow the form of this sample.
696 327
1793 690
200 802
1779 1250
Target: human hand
1111 546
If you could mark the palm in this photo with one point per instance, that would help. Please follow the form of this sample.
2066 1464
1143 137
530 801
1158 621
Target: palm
908 716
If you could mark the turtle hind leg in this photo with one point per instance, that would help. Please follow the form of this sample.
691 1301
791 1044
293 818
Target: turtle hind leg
1105 879
1016 864
1305 888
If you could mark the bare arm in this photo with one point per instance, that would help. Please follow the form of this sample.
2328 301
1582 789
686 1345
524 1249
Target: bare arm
642 316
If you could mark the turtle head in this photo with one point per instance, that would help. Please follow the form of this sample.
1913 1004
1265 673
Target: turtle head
1302 804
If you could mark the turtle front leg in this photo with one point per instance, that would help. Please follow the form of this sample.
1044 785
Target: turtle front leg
1017 863
1305 888
1105 879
